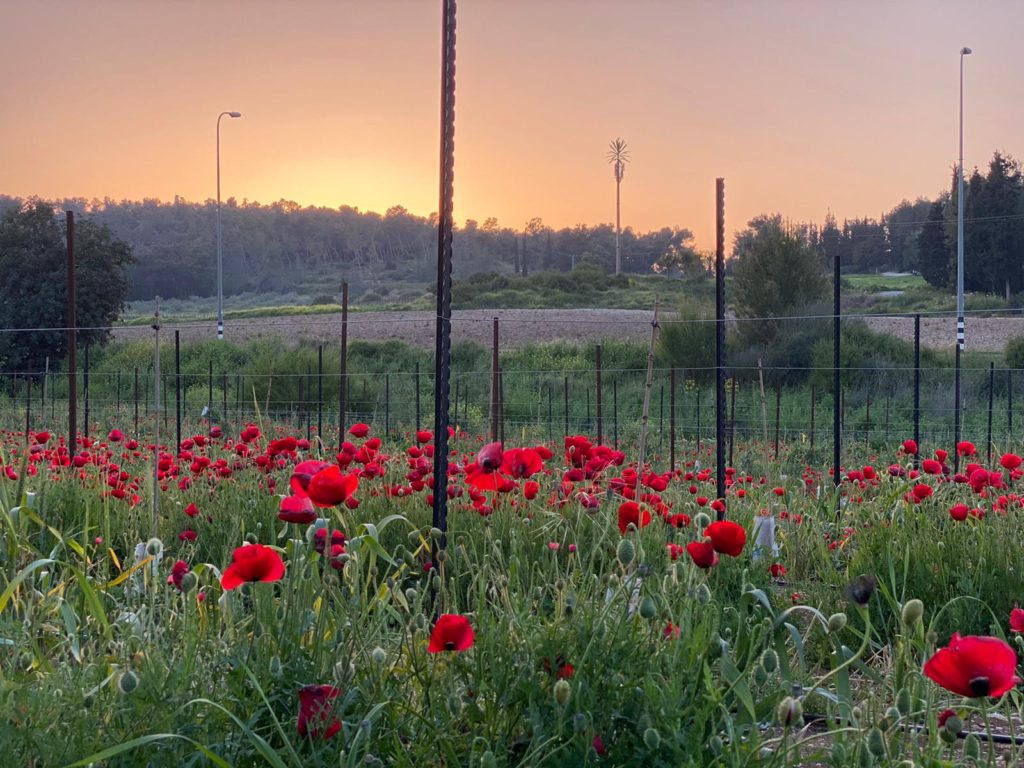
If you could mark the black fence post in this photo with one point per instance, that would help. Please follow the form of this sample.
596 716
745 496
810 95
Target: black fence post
720 341
177 390
917 389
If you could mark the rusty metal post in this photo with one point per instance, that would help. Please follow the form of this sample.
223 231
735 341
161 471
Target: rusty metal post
343 385
72 321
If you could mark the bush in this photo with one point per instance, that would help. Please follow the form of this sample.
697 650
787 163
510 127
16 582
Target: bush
688 342
1015 352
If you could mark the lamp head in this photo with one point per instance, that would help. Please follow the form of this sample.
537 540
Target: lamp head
965 51
239 114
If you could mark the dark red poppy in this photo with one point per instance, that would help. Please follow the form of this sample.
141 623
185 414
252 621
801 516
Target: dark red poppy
489 457
452 632
424 436
931 467
702 553
777 570
297 509
315 704
178 571
253 562
631 512
974 666
959 512
1017 620
192 510
727 537
966 448
909 447
359 430
922 491
330 487
303 472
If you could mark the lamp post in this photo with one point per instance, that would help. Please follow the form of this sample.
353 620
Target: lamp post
959 268
220 244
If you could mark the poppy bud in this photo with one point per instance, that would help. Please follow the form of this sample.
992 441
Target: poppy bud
652 739
251 538
436 534
716 745
953 725
487 760
789 712
127 682
838 753
411 594
625 552
154 547
703 594
861 589
890 718
648 610
436 582
379 655
836 622
421 622
189 582
972 747
876 743
702 520
769 660
562 690
947 736
904 703
276 669
760 676
913 610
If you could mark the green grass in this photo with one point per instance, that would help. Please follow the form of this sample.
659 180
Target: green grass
874 283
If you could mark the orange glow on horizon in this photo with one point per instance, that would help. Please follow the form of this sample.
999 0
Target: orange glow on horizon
803 107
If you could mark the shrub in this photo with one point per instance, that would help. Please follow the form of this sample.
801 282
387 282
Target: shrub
1015 352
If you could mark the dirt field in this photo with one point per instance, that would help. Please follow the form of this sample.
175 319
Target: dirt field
521 326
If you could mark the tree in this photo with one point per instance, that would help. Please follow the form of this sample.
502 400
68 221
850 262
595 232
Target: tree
933 251
775 274
33 294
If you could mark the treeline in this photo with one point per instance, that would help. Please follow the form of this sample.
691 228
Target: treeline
283 246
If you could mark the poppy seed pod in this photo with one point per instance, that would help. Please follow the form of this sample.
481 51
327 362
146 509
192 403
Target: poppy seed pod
702 520
154 547
379 655
972 747
648 609
769 660
703 594
652 739
904 702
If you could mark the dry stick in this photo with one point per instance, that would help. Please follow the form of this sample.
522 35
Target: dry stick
647 389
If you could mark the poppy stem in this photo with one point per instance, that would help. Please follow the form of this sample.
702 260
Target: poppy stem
860 651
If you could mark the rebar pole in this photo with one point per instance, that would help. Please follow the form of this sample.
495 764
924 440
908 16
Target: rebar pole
494 380
343 370
917 389
85 392
672 418
720 341
442 340
597 396
991 403
156 421
177 391
72 321
836 377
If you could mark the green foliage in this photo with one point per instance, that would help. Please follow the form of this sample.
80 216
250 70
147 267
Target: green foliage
33 292
775 274
687 341
1015 352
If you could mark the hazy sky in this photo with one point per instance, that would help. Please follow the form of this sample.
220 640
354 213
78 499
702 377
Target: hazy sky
802 105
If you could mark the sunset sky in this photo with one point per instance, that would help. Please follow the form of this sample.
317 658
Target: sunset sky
801 105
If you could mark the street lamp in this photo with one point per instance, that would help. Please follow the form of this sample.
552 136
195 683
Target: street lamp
959 267
220 244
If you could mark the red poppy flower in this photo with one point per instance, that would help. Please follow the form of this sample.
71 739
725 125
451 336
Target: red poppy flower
452 632
777 570
727 537
329 487
180 568
671 632
521 462
424 436
192 510
974 666
1017 620
315 711
702 553
965 448
489 457
1010 461
630 512
910 447
931 467
359 430
958 512
253 562
297 509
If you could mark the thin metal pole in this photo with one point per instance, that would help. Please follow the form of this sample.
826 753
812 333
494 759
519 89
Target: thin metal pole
320 395
597 397
494 380
309 409
991 403
416 384
550 435
117 389
28 405
778 413
224 398
959 271
72 338
85 391
917 389
135 398
387 404
836 375
615 414
343 370
156 421
672 418
177 390
565 406
720 341
648 384
209 391
220 241
732 423
812 418
1009 405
